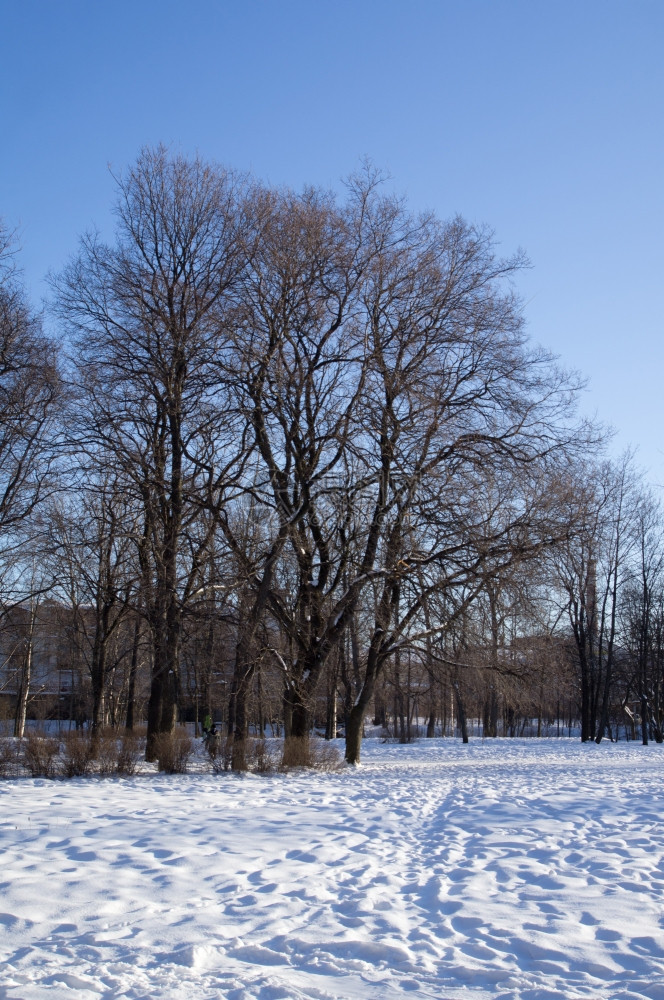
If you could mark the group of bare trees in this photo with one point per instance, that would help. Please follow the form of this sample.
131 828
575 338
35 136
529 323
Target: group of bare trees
30 393
294 443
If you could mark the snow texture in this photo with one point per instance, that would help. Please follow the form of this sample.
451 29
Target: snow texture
526 869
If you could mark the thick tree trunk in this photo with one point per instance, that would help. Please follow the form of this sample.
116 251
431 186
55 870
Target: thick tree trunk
355 721
169 702
299 720
354 734
154 714
461 714
164 687
490 721
238 754
98 679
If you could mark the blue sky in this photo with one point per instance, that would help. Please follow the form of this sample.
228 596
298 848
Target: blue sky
543 120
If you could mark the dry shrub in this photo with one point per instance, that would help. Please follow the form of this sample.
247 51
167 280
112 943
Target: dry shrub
140 729
260 756
322 755
105 743
130 752
77 754
9 758
40 755
103 752
250 755
220 753
118 754
174 751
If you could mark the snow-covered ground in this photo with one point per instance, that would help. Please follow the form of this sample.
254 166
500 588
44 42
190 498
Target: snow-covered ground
513 868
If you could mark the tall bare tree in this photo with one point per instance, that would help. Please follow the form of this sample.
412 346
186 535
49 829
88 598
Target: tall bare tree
387 380
150 318
641 611
30 392
94 561
591 568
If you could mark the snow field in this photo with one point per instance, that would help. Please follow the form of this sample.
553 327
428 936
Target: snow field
525 869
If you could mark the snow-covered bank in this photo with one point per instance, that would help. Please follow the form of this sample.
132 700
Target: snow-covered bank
522 868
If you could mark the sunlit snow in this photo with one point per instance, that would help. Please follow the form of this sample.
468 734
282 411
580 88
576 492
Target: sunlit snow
505 869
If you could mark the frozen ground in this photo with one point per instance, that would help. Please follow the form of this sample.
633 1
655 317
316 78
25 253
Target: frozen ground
506 869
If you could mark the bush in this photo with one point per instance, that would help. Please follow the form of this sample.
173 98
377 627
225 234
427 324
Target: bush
77 754
261 756
322 755
40 755
129 752
256 755
116 753
220 753
105 743
9 758
174 751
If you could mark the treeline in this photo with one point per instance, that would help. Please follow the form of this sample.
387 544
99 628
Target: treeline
292 459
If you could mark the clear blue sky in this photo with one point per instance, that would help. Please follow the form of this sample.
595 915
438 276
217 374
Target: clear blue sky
543 119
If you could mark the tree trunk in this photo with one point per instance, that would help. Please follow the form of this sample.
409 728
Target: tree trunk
238 753
23 691
461 714
644 720
299 716
355 720
237 703
331 705
133 672
490 720
354 734
163 701
154 714
98 679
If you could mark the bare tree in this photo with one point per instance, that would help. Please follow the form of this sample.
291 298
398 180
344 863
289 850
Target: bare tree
339 397
387 382
463 426
642 603
30 394
150 317
94 560
30 391
591 568
301 364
